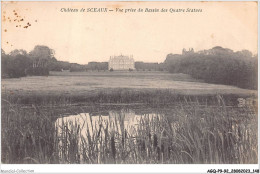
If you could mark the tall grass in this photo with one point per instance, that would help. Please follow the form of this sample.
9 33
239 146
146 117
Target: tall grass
152 97
188 134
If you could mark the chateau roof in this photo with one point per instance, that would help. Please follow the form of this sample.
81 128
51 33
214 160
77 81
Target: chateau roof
120 57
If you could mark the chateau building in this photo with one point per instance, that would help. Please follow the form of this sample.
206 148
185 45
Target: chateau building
121 63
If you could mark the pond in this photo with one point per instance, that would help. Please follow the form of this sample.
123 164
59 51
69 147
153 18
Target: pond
86 133
182 134
117 121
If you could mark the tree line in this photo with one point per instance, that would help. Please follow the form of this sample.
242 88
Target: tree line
217 65
39 61
144 66
19 63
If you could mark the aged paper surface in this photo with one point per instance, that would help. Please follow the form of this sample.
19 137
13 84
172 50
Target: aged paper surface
129 83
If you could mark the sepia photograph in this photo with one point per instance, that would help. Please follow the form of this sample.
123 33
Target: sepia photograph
136 82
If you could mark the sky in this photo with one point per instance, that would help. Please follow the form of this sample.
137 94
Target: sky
82 37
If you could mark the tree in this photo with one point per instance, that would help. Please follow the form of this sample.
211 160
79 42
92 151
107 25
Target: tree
18 52
21 64
2 52
217 65
246 53
41 55
42 52
14 67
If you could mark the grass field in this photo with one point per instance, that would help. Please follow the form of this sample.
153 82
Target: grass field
83 83
200 123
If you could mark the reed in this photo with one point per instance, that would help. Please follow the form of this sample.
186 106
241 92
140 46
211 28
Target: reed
189 134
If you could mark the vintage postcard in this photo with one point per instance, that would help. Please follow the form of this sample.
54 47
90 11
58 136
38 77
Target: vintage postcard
136 82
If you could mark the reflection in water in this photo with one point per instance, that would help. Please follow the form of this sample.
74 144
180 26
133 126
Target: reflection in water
78 134
118 121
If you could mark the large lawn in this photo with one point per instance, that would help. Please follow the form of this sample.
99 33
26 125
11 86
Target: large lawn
82 83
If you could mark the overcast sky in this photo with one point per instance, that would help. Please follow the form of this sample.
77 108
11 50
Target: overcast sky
83 37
